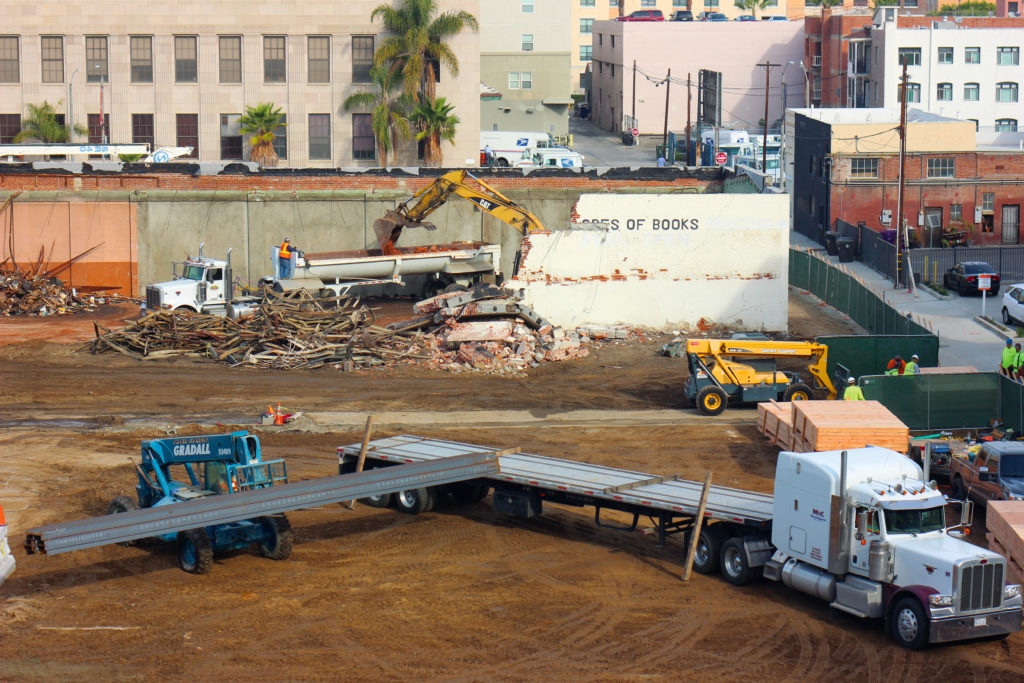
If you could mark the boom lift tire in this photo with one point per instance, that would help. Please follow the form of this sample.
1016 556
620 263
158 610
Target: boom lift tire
415 501
908 624
276 543
122 504
195 552
798 391
709 546
711 400
735 567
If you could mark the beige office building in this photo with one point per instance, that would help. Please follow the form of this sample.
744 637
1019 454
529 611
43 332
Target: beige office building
180 74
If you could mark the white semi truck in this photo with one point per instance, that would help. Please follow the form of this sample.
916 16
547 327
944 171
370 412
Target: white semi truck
857 528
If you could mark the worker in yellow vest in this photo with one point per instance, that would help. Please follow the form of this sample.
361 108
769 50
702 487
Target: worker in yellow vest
913 367
285 262
1009 359
853 392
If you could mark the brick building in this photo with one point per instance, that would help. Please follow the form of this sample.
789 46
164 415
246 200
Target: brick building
846 167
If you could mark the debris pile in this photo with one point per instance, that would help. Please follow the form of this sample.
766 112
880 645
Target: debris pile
21 295
285 332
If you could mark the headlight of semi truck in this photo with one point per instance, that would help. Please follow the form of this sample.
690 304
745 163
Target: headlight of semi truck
1011 590
940 600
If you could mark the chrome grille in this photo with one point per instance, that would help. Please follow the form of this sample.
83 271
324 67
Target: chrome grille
152 298
981 586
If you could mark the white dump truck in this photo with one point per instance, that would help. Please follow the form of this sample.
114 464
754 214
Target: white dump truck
857 528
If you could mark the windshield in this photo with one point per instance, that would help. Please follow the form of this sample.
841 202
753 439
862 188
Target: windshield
193 273
915 521
978 268
1012 465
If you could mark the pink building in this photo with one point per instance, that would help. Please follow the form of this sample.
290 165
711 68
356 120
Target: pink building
733 48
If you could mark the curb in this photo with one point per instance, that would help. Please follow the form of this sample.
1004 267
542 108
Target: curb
995 327
928 290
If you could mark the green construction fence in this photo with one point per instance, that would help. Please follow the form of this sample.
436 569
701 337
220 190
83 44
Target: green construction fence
955 401
868 354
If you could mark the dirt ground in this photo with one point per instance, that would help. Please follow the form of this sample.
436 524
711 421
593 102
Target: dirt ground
454 594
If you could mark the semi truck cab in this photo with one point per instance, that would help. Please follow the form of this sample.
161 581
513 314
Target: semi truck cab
205 285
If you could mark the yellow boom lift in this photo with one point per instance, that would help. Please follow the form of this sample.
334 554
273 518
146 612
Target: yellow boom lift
745 370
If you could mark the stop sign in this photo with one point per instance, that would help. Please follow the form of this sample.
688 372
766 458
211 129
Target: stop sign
721 158
636 131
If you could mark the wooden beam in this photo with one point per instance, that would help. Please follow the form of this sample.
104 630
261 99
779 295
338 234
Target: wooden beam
698 523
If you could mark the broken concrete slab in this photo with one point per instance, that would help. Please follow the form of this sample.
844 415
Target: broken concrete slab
481 330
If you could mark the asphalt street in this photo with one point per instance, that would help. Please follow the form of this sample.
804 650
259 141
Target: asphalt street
603 149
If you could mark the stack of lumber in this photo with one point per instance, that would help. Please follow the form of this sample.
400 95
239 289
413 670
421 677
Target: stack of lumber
813 426
1004 520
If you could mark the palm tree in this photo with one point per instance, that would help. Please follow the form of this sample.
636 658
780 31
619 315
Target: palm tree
41 125
261 121
753 6
418 40
389 121
435 122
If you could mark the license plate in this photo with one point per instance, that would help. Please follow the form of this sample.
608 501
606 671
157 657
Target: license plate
980 621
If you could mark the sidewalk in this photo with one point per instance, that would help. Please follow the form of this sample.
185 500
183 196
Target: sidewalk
962 340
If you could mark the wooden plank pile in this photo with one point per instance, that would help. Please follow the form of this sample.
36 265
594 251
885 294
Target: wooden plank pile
1004 520
808 426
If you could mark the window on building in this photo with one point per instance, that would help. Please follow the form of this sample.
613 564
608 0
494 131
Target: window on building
913 92
944 92
230 59
600 39
940 167
586 53
613 40
186 128
956 212
319 59
586 3
527 42
319 136
52 48
186 67
10 69
96 130
988 201
972 55
273 59
527 6
142 130
586 25
96 60
612 66
911 56
141 50
863 168
1006 92
945 55
648 3
1007 56
520 80
910 3
711 4
281 138
679 3
362 58
362 136
1006 125
10 125
230 136
972 92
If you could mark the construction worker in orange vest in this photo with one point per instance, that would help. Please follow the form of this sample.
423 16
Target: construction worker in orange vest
285 264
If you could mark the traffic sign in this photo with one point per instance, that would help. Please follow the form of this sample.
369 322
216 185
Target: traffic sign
721 158
984 282
635 131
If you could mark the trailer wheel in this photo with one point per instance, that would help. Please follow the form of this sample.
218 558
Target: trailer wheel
735 566
908 624
122 504
468 492
455 287
959 490
277 537
798 391
705 556
195 552
381 500
711 400
415 501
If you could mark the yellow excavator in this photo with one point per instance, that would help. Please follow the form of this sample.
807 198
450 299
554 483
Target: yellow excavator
744 370
413 211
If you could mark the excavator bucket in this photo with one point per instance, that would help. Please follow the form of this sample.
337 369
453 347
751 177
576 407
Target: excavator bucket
389 228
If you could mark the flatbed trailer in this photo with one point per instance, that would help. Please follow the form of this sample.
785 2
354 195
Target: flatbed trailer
525 480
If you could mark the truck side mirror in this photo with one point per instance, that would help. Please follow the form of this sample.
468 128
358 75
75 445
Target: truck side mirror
966 513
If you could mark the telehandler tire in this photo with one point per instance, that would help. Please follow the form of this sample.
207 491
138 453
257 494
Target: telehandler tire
711 400
276 543
123 504
798 391
195 552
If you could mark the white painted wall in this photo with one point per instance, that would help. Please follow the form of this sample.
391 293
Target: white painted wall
663 261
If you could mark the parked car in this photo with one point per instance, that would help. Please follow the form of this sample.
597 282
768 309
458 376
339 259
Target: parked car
715 16
775 18
682 15
995 473
1013 305
643 15
746 17
963 277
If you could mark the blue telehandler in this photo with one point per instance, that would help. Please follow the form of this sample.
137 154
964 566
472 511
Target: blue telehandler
186 468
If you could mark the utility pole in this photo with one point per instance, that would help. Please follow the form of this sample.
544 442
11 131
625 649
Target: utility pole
689 99
664 135
899 196
764 146
636 138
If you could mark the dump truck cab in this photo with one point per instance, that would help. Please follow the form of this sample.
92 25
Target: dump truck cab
202 285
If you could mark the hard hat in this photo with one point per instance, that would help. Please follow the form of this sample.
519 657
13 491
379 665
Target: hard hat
914 357
1009 341
287 239
852 380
